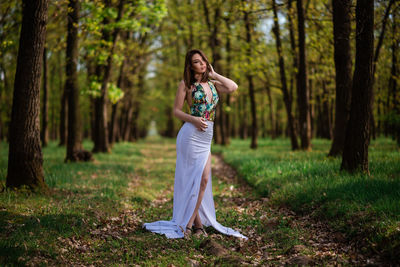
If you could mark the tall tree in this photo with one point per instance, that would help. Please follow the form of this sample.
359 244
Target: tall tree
303 94
286 97
343 65
249 76
101 141
228 49
63 109
25 159
114 130
74 140
376 57
355 153
44 134
214 26
392 103
293 75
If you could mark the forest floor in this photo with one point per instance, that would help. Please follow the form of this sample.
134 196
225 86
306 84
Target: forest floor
95 213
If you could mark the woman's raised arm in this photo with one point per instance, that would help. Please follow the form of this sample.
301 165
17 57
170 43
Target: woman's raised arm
223 84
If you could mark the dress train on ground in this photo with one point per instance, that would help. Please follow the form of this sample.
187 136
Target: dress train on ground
192 149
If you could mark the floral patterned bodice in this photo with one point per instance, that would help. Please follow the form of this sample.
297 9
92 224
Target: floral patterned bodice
200 106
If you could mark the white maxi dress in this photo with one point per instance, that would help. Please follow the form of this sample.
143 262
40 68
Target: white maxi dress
192 149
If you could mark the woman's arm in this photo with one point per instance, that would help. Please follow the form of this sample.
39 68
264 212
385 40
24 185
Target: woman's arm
199 122
223 84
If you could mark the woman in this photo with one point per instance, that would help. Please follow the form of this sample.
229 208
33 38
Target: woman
193 200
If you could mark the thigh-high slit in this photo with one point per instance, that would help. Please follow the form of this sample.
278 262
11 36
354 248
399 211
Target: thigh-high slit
192 148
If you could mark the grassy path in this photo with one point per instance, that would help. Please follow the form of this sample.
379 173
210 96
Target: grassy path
95 213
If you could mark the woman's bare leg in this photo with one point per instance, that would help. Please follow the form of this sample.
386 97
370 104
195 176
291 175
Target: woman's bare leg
197 222
203 184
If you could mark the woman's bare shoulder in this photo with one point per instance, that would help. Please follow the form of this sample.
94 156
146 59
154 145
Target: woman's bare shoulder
182 85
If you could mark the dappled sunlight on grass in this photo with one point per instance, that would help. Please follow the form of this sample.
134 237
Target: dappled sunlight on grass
311 182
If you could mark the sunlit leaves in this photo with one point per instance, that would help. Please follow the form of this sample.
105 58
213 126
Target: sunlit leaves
94 90
114 93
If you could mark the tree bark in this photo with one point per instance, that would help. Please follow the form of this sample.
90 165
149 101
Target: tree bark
64 109
343 65
54 126
286 96
293 76
44 134
271 111
101 143
355 153
214 43
249 76
228 49
74 139
113 124
303 94
324 128
25 159
243 128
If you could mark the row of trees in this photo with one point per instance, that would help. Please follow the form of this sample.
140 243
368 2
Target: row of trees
115 34
303 76
114 65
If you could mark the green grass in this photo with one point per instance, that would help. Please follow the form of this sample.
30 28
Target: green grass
362 206
95 210
32 223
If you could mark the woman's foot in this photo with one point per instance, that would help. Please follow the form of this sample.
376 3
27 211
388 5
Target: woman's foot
188 232
199 231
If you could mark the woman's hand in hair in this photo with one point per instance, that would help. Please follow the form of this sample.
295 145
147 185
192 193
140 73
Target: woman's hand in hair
200 123
212 73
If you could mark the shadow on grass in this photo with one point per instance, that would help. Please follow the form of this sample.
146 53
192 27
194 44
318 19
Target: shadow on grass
33 236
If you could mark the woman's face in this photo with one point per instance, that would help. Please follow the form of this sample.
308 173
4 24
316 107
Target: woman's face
199 66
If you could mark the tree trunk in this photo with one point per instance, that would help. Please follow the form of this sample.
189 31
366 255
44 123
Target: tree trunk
271 111
44 134
393 105
326 112
324 128
243 129
227 115
74 139
113 123
25 159
54 126
293 76
375 61
63 111
101 143
249 76
355 153
128 121
135 130
311 103
263 126
3 135
214 42
278 125
303 94
343 65
286 96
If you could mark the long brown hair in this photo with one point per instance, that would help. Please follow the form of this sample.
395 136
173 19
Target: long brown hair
188 73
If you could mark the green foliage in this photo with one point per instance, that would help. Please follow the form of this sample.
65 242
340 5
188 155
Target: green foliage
94 90
393 118
114 93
